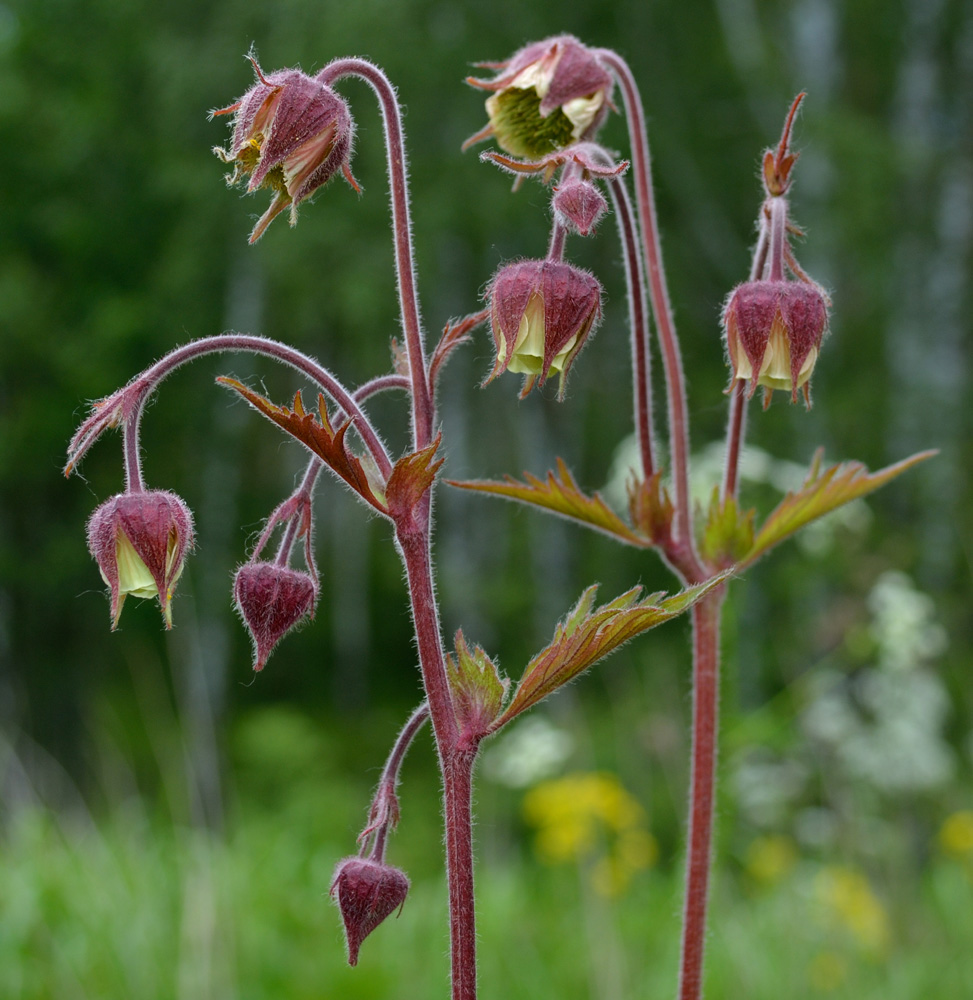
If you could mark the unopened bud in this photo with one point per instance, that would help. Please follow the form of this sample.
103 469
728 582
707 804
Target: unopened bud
140 541
366 893
271 600
579 205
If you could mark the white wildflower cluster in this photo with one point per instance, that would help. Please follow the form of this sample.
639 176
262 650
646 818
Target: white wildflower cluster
885 727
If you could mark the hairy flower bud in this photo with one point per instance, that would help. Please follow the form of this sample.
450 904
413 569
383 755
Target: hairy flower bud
579 205
773 333
366 892
271 600
542 312
290 134
140 541
546 96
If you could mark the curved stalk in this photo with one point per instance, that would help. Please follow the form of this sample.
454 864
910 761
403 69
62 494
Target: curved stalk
638 323
423 408
686 557
145 384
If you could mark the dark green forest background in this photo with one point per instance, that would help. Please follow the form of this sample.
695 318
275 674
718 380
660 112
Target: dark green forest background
119 240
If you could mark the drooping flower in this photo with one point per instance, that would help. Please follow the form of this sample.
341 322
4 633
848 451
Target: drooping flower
272 600
542 311
290 134
773 333
545 97
366 892
140 541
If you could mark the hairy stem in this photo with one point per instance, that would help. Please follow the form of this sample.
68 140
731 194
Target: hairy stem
423 409
134 482
638 323
685 556
706 666
142 386
455 758
384 813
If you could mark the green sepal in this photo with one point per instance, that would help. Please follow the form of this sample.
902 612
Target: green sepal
727 534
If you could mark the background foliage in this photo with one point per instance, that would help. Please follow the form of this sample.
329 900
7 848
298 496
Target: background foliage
119 241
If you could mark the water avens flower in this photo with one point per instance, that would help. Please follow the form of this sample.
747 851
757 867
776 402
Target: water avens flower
773 333
140 541
545 97
291 134
542 311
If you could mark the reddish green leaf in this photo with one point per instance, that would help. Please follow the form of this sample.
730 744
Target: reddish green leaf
650 508
317 434
476 686
587 636
559 493
822 493
411 477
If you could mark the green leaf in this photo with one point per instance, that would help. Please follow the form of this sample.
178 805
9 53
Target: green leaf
320 437
476 686
559 493
587 636
822 493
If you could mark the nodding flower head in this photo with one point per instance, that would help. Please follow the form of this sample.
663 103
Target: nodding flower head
140 541
366 892
542 312
271 600
545 97
290 134
773 333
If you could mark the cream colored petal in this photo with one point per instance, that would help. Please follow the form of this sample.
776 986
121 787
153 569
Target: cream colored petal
133 575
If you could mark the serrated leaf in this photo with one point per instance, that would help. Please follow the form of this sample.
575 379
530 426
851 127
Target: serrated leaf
410 479
476 686
559 493
822 493
317 434
727 532
587 636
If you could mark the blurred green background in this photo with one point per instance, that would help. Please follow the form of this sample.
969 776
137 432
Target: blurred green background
168 823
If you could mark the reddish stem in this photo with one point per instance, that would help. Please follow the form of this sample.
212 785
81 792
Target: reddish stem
455 758
384 813
458 802
706 664
684 555
143 385
638 323
423 414
133 461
